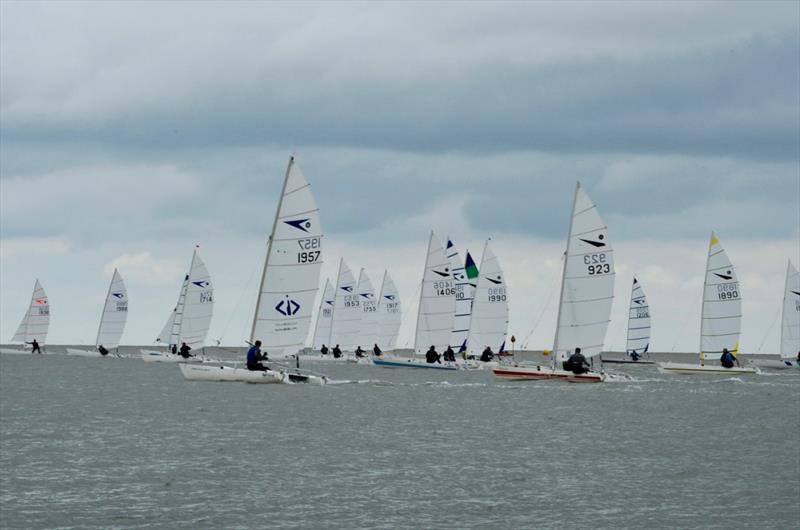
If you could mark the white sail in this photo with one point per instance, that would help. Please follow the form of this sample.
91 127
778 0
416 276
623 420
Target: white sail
290 279
587 287
368 307
437 303
322 331
464 293
790 328
638 321
36 321
489 322
389 314
115 314
346 314
166 331
198 305
722 305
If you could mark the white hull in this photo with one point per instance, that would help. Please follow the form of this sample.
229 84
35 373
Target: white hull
536 373
688 368
775 364
322 359
15 351
194 372
88 353
152 356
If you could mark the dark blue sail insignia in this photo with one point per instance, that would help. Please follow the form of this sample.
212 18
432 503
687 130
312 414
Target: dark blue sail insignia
463 347
598 243
118 295
796 292
329 302
389 297
366 295
348 288
640 302
445 274
300 224
287 307
201 284
498 281
728 276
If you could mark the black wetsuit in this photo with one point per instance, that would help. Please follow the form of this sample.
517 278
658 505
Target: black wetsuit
102 349
324 350
487 355
337 353
376 351
577 364
431 356
185 349
449 354
35 347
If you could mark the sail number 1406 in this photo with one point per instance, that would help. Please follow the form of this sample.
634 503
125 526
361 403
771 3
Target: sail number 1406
309 250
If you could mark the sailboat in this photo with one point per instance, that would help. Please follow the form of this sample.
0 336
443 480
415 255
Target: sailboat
436 313
346 311
488 323
34 324
790 320
112 320
721 317
464 293
390 314
322 329
587 292
191 318
368 307
287 291
638 342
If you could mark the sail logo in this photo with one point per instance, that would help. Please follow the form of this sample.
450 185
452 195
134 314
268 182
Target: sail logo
348 288
728 276
329 302
389 297
118 295
640 302
40 301
498 281
287 307
367 295
202 283
597 244
445 274
300 224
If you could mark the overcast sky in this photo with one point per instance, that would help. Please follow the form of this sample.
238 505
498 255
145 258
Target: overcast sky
131 131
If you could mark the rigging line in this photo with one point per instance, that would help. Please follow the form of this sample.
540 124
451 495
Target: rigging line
769 329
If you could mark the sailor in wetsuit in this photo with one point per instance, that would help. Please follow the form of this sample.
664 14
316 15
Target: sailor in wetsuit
184 351
323 350
254 358
577 363
337 353
376 351
359 352
102 349
727 359
432 356
487 355
34 346
449 355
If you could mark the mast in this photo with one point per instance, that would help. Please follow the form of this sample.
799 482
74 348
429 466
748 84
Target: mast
564 274
269 247
783 307
103 314
705 285
335 295
422 294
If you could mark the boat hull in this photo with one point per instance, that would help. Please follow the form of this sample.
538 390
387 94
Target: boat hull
15 351
195 372
626 361
539 373
411 363
152 356
782 364
87 353
688 368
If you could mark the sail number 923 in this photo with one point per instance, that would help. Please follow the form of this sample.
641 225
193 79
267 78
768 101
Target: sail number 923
309 250
596 264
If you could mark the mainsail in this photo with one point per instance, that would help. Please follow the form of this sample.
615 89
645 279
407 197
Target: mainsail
177 312
437 303
36 321
389 314
722 305
790 328
368 307
198 305
587 286
464 293
638 321
290 279
322 331
115 314
489 322
346 314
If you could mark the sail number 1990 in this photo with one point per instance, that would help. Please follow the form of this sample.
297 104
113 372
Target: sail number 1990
309 250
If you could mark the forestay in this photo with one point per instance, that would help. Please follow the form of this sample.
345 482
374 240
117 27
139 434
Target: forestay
115 314
464 293
290 278
790 328
489 322
437 303
322 331
36 321
638 321
346 314
722 305
368 307
587 287
389 314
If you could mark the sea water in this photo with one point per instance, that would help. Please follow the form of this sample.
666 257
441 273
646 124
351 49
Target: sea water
119 443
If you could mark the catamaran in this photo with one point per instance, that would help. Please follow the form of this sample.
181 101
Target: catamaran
191 318
587 292
488 323
721 317
790 319
112 321
34 324
390 314
368 307
289 285
638 342
436 313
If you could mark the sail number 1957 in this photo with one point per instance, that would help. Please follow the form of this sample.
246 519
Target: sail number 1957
309 250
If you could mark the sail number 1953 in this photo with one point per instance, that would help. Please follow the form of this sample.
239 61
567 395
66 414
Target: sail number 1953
309 250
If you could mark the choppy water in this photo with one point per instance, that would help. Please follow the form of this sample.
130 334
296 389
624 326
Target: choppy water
118 443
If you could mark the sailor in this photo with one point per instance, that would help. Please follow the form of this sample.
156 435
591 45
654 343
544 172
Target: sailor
431 356
359 352
727 359
34 346
635 356
337 353
174 349
185 349
487 355
376 351
102 349
449 354
254 358
324 350
577 363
